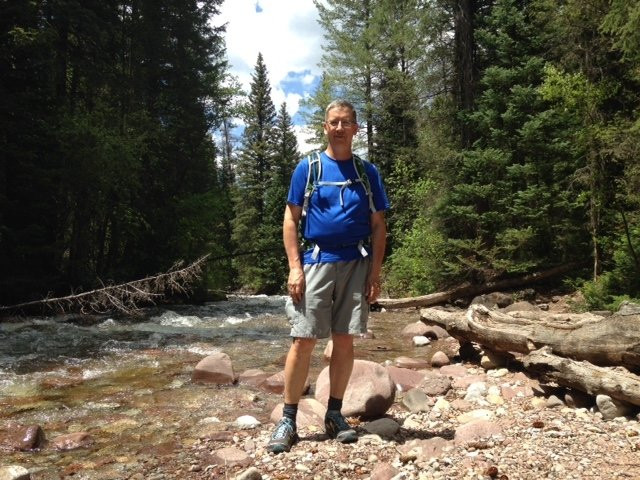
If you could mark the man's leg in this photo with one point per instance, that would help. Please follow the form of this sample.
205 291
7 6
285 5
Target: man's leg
341 363
296 370
340 369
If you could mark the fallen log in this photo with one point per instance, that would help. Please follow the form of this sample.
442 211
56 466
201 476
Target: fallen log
467 290
613 340
584 376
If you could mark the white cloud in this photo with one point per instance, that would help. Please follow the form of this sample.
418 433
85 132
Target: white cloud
287 34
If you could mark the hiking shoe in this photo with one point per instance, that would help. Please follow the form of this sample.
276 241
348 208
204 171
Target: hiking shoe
337 427
283 437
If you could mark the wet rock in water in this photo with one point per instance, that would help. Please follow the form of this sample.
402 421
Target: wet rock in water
476 431
439 359
71 441
415 329
27 438
405 378
251 474
310 412
253 377
416 401
215 368
231 456
420 341
436 333
384 471
434 384
275 383
370 392
413 363
14 472
385 427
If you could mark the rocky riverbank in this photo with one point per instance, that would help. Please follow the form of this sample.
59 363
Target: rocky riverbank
462 420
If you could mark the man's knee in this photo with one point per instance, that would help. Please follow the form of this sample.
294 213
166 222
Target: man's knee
303 346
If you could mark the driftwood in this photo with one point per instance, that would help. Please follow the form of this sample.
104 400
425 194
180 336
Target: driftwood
125 297
467 290
605 341
618 383
587 352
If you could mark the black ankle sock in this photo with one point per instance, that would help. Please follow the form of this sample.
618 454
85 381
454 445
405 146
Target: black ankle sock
290 411
335 404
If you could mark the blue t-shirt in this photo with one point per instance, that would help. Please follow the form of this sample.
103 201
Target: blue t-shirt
337 228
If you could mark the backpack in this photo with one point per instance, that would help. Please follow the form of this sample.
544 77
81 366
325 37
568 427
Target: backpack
314 180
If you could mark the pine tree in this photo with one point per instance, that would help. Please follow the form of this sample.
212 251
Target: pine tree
254 170
272 262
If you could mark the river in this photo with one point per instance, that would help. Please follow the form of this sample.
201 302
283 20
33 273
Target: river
126 381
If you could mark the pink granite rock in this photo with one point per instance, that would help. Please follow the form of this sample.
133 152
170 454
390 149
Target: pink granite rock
215 368
370 391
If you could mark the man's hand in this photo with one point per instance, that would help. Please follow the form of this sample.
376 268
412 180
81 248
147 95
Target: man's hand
372 288
296 284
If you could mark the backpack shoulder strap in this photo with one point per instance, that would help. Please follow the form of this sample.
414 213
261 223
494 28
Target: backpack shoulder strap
313 176
361 171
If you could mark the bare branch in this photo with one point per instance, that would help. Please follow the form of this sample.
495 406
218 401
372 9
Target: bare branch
125 297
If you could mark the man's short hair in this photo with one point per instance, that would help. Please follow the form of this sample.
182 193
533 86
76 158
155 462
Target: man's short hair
339 103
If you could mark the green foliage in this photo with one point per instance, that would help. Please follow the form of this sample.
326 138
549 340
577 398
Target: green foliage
418 265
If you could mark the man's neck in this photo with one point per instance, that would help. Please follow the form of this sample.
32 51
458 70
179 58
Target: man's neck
339 154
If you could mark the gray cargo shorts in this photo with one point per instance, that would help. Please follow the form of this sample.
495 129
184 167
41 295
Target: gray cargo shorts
334 300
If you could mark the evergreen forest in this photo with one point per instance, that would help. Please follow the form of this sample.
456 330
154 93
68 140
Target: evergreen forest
507 133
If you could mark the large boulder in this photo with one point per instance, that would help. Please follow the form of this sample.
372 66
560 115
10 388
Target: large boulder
405 378
370 391
310 412
215 368
275 383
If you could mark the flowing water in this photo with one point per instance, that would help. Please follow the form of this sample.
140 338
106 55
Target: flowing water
126 381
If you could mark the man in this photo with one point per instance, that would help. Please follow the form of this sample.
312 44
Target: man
332 284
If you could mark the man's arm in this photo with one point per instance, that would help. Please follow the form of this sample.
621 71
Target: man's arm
295 284
378 244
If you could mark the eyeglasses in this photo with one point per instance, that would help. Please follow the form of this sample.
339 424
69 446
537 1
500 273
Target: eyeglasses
345 123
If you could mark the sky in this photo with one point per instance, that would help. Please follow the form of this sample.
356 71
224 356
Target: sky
287 34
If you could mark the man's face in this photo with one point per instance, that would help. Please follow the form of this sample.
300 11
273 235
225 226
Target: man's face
340 127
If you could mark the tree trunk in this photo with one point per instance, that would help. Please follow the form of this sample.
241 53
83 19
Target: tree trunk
466 290
613 340
583 376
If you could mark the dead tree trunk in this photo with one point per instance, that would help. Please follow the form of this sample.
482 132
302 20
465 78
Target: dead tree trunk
465 291
613 340
584 376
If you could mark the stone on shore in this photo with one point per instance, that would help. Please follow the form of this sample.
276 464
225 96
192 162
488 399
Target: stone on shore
439 359
275 383
416 401
370 391
231 456
215 368
434 384
250 474
476 432
384 471
405 378
412 363
253 377
612 408
384 427
423 450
